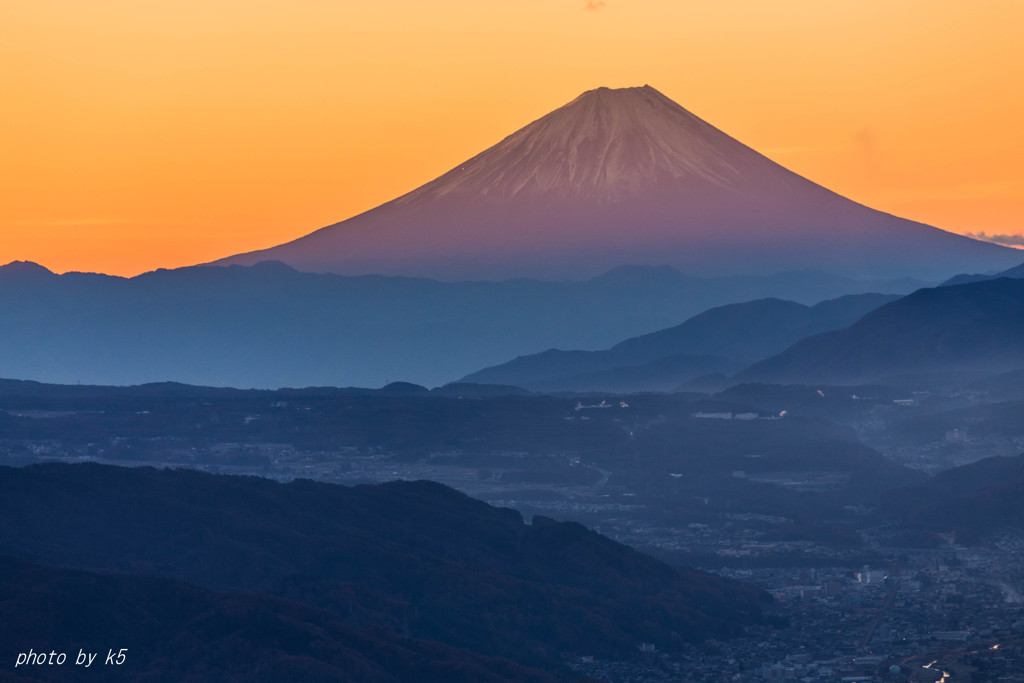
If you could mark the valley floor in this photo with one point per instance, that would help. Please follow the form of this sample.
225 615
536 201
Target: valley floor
788 504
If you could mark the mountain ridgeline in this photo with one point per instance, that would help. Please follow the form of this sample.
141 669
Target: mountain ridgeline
721 340
270 326
974 329
971 328
964 278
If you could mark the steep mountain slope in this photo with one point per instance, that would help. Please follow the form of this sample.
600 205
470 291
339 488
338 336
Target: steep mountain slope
975 327
626 176
718 340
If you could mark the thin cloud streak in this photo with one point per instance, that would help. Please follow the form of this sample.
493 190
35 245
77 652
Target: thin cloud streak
1004 239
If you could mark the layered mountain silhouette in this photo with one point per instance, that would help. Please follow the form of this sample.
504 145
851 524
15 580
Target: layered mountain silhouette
963 279
626 176
270 326
976 327
721 340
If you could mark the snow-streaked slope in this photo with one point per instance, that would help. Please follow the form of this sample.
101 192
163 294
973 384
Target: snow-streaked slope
603 146
626 176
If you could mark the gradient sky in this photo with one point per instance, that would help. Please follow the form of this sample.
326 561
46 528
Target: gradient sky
163 133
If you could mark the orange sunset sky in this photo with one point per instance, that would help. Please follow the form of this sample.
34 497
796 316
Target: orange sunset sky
138 135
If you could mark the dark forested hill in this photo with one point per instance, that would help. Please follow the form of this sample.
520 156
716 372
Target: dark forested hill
415 558
972 500
166 630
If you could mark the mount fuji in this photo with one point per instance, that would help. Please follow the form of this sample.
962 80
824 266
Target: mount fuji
627 176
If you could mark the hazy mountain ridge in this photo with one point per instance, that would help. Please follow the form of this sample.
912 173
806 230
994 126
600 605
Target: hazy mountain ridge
963 279
270 325
975 327
719 340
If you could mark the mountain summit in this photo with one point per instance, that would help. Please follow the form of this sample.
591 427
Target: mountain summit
626 176
605 145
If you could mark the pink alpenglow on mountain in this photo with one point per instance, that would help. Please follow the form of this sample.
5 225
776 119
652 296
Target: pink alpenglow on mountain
620 177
